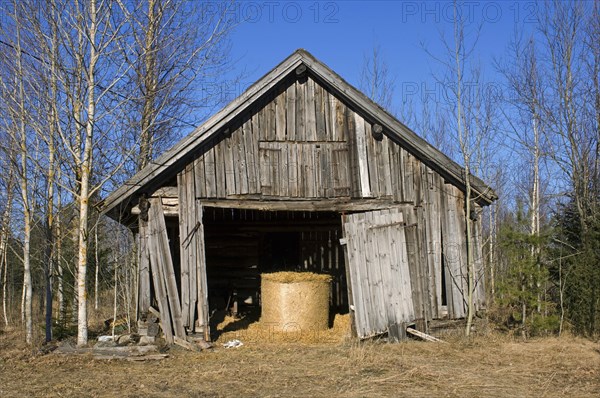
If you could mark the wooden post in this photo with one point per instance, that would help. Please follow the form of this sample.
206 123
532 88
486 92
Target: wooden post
202 288
143 270
348 281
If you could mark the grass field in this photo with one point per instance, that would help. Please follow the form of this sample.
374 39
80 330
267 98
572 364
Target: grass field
492 365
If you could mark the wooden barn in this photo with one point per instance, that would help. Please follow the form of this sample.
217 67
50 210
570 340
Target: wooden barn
303 172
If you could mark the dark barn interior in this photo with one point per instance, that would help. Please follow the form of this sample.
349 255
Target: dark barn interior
241 244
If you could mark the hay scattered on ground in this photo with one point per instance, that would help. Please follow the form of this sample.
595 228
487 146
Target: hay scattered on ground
294 277
260 333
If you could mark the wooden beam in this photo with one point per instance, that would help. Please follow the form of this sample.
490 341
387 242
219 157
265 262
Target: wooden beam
337 205
186 344
423 336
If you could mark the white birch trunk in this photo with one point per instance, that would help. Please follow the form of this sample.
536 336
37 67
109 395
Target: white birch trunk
23 153
84 194
4 234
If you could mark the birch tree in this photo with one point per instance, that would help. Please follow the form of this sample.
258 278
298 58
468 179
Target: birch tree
525 117
14 93
177 53
5 222
96 28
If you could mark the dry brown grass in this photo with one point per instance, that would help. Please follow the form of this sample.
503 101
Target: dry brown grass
485 366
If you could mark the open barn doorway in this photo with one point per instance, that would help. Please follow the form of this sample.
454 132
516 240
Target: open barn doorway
242 244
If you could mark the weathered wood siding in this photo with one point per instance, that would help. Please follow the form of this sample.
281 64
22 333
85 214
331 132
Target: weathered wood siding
304 142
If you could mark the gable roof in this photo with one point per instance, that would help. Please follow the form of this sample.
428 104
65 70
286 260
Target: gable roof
173 160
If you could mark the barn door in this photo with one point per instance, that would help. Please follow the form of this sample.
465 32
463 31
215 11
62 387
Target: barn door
378 272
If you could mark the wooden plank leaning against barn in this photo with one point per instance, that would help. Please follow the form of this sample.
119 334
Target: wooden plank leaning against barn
162 263
154 235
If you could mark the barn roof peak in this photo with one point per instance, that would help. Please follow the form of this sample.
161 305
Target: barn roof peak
300 61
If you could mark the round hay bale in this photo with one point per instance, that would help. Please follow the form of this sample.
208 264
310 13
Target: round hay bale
295 301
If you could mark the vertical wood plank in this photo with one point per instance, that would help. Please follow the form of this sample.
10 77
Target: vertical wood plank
200 176
230 169
291 112
340 128
240 162
210 173
320 113
361 155
348 129
270 120
372 161
408 177
309 107
255 151
329 109
183 179
300 111
221 191
280 114
262 123
250 153
284 187
293 188
384 170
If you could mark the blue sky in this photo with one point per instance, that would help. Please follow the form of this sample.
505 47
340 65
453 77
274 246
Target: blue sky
339 33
